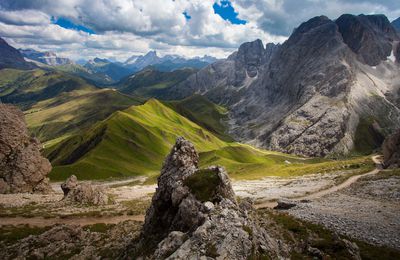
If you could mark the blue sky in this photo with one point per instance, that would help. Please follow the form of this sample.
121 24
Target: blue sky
227 12
68 24
117 29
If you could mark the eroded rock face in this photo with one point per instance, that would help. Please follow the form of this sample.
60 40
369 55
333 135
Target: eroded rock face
370 36
308 95
391 150
83 193
194 214
22 167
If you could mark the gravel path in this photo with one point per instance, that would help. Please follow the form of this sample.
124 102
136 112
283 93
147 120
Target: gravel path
368 210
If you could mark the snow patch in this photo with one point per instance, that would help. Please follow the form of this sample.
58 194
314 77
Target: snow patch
392 57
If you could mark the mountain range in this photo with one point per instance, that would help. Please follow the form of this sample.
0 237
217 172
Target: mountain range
331 88
47 57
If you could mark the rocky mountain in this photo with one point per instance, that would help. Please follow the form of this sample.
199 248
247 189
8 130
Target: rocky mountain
48 58
12 58
166 63
112 70
396 24
22 167
313 94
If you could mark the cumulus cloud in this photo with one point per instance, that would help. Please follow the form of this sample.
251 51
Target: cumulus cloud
126 27
280 17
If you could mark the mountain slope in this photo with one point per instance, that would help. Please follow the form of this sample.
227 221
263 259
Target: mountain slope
57 118
12 58
309 95
204 113
110 69
28 87
57 105
153 83
135 142
396 24
49 58
129 142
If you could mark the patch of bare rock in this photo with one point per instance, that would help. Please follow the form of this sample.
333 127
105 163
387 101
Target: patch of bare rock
22 167
83 193
368 210
74 242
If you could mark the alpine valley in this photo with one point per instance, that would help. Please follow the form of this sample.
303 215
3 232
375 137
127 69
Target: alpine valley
278 151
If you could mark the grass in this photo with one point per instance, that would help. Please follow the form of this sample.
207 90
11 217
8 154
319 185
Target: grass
98 227
367 139
135 142
203 184
11 234
57 105
151 83
246 162
55 119
204 113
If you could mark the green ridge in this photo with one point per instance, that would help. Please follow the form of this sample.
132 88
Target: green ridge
135 142
205 113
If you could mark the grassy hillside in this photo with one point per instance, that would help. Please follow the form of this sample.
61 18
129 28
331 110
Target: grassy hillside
135 142
28 87
54 119
153 83
92 77
57 105
130 142
204 113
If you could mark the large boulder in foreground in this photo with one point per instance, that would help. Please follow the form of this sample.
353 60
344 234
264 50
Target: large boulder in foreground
83 193
194 214
22 167
391 150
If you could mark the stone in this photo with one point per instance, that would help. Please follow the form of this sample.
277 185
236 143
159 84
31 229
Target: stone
194 214
69 184
22 167
285 204
83 193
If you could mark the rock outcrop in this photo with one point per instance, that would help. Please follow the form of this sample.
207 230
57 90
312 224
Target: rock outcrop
391 151
22 167
83 193
194 214
12 58
310 95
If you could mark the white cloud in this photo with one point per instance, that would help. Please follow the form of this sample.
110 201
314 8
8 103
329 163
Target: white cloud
126 27
24 17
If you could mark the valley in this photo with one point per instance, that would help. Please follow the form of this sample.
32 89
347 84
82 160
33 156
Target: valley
278 151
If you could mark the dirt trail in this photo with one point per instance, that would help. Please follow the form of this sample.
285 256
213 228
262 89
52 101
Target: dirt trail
81 221
321 193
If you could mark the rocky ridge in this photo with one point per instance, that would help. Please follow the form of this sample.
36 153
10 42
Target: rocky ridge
22 167
310 95
194 214
12 58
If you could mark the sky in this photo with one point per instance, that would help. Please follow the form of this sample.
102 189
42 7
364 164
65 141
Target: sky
118 29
